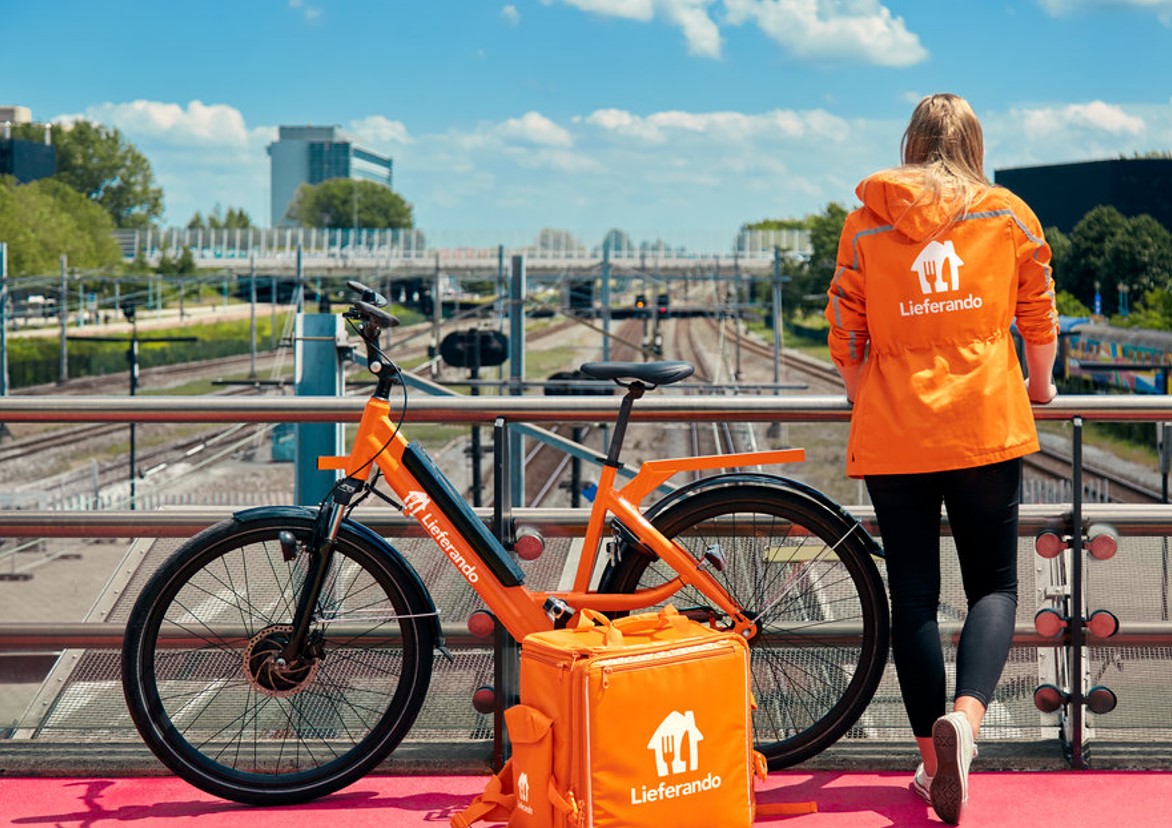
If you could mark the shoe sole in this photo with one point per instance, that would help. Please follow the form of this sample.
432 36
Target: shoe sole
947 788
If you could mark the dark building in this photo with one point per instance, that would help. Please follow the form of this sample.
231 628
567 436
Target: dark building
1061 194
27 160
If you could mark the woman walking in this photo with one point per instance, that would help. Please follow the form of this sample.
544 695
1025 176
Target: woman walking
932 271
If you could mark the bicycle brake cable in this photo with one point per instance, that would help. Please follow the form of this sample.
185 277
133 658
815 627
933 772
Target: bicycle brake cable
402 412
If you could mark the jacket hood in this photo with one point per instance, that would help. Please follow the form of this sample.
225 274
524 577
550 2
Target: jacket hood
903 201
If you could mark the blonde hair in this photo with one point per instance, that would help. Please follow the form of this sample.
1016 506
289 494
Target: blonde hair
943 150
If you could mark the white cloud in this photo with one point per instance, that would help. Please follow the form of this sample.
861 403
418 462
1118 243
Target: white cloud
312 13
733 127
1094 116
690 177
701 33
642 10
862 30
1162 8
510 15
859 30
535 128
1073 132
553 159
378 129
195 125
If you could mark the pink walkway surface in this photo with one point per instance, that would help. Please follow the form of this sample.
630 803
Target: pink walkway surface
1088 799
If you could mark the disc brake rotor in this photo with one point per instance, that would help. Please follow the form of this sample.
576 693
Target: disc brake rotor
268 672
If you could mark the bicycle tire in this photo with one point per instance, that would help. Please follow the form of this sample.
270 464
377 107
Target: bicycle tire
798 568
216 712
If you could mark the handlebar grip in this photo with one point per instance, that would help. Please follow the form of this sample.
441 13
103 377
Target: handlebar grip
368 295
370 313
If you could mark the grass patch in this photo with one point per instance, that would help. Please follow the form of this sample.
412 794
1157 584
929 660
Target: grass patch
540 364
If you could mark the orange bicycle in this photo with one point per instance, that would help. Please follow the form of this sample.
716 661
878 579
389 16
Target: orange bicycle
284 652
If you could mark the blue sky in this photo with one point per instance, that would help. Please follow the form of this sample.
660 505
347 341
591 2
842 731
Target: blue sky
677 120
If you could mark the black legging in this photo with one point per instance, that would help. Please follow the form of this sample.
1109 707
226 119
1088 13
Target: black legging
982 506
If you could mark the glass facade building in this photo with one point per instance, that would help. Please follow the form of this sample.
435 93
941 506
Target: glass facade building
311 155
27 160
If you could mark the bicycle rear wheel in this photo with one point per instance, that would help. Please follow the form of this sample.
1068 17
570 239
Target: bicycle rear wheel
210 694
804 573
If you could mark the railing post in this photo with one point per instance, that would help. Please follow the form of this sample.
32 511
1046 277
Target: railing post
4 319
1077 759
506 649
517 290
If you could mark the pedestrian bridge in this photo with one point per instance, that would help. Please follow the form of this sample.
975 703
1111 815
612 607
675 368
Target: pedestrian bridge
282 249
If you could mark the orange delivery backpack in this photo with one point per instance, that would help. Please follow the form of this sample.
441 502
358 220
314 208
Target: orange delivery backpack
643 722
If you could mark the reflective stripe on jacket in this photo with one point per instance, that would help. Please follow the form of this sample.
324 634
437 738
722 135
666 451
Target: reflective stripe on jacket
928 304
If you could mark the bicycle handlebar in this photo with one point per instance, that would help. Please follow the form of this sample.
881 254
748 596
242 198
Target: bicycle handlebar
369 310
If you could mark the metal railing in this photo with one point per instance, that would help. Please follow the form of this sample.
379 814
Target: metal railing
389 248
1138 521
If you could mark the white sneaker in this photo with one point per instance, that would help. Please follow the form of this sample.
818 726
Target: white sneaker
922 784
952 737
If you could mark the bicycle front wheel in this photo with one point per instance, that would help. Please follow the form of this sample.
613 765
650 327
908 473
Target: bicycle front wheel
212 694
806 577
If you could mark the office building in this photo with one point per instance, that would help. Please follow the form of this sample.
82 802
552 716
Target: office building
23 159
311 155
15 115
1061 194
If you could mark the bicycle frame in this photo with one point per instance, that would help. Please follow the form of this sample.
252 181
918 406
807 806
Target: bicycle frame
428 497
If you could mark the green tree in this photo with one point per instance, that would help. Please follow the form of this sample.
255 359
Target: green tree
1089 241
1059 250
805 282
342 203
777 224
217 219
98 162
825 230
44 219
181 265
1154 310
1068 305
1140 257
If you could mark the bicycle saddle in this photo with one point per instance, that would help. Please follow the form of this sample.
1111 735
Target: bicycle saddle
651 373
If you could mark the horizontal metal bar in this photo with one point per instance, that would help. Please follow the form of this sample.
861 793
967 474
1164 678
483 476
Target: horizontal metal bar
54 637
485 409
1135 520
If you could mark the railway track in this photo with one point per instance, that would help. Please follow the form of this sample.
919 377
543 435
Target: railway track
1099 484
710 343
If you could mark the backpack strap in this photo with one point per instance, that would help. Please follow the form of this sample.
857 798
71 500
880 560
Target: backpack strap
776 809
567 804
496 803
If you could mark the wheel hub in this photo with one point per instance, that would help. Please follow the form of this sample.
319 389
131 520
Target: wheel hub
266 669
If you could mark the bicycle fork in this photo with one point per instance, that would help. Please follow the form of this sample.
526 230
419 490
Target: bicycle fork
320 550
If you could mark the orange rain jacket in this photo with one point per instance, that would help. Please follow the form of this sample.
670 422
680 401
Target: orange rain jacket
929 310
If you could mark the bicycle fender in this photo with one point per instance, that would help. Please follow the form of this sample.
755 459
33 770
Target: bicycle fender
775 481
308 513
